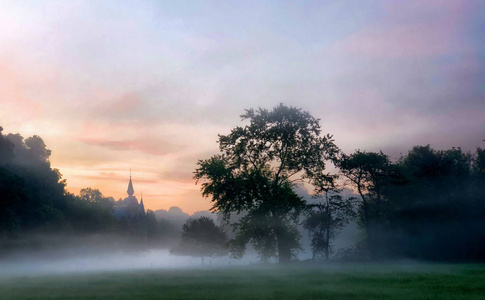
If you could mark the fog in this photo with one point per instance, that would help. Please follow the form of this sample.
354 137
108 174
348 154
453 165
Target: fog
40 264
71 260
47 254
115 261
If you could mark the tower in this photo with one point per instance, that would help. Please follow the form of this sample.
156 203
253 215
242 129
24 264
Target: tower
130 190
132 212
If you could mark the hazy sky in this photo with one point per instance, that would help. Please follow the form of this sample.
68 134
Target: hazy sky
111 85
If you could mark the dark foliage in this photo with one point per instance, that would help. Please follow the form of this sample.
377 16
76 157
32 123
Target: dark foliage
33 199
370 173
201 237
253 176
439 212
429 205
32 193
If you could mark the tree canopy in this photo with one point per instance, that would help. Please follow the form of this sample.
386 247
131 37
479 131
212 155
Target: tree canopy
33 198
254 173
429 204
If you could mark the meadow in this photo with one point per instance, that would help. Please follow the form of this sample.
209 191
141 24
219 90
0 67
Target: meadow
347 281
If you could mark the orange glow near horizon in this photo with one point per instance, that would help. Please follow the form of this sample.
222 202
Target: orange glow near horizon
157 193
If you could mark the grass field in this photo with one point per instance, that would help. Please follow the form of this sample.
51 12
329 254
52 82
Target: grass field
377 281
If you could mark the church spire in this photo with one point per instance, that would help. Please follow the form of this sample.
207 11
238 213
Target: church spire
130 190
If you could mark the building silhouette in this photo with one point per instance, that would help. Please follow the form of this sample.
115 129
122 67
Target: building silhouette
132 213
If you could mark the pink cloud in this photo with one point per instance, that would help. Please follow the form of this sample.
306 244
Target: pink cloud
125 105
16 106
115 177
410 29
150 146
125 136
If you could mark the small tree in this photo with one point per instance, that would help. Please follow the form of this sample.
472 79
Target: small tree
325 219
91 195
201 237
370 173
97 198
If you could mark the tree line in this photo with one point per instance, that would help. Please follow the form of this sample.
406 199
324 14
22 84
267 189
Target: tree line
429 204
34 202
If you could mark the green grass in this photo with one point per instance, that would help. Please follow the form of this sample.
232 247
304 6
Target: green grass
291 282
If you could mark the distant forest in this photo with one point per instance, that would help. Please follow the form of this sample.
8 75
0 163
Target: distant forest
427 205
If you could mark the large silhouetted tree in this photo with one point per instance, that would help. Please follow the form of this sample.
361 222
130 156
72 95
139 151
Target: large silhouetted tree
201 237
37 197
254 174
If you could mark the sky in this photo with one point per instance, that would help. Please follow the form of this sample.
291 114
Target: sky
148 85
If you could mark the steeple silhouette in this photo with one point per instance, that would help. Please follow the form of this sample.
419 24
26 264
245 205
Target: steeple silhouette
132 212
130 190
142 207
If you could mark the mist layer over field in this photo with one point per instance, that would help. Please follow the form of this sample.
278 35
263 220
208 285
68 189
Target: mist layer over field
31 264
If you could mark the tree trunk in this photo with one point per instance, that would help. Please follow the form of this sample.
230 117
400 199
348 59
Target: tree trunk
282 239
327 227
367 223
284 251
